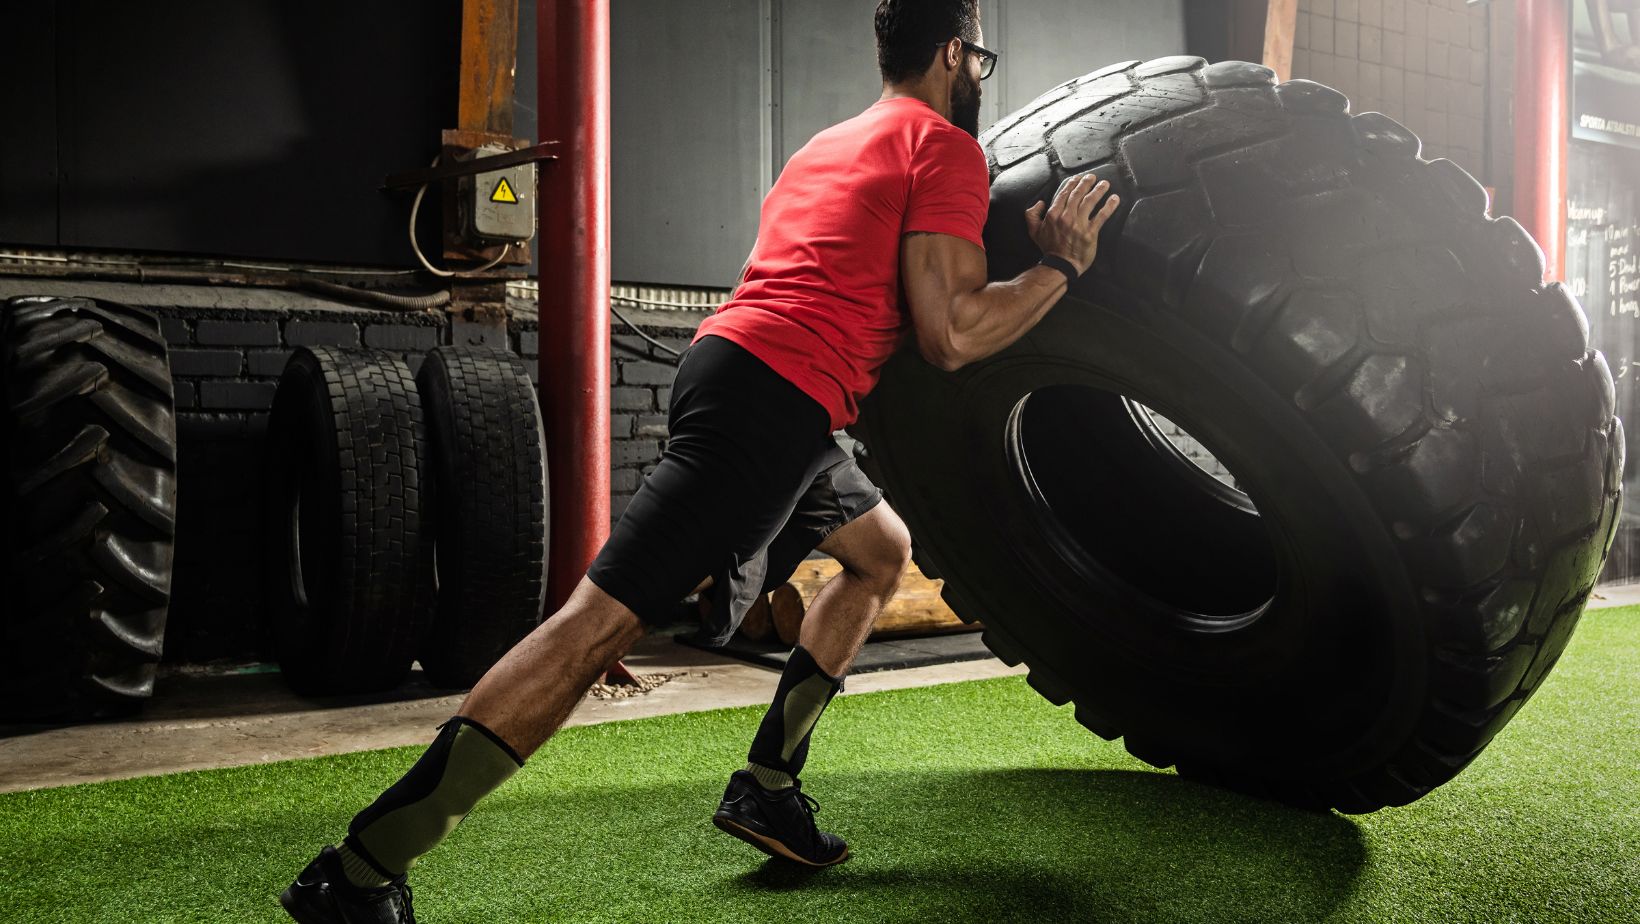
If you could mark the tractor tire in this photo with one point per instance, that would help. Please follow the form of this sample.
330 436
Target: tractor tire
90 508
347 525
1427 445
490 478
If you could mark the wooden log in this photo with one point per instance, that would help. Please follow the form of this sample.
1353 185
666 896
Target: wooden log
758 624
786 608
916 609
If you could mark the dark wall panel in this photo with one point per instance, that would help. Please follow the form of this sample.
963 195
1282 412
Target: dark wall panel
259 128
686 103
828 68
28 105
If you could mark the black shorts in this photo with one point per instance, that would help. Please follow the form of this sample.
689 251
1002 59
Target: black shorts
750 482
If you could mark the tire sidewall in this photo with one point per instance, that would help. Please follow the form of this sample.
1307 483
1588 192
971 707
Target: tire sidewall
302 453
1232 693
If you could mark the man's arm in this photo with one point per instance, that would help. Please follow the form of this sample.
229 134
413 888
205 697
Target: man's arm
744 267
958 317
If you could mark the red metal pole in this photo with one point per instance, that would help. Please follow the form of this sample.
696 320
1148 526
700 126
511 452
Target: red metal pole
1543 94
573 83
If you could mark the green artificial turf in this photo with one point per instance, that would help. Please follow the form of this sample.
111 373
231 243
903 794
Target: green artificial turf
965 802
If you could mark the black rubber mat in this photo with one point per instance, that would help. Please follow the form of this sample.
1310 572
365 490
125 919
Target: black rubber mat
887 655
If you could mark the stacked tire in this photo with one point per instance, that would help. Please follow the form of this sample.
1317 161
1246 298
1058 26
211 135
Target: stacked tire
1431 463
489 467
89 508
405 518
347 522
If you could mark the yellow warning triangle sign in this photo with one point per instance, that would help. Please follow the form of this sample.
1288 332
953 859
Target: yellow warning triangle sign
503 192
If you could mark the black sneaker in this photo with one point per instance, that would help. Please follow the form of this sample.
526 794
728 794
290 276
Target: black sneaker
321 894
778 822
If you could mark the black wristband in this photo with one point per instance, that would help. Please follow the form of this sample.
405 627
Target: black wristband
1065 266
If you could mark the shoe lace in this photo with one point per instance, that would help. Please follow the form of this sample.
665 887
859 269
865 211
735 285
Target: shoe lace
814 807
407 914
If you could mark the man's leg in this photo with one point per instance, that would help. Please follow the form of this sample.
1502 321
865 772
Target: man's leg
874 551
763 804
744 445
517 705
529 693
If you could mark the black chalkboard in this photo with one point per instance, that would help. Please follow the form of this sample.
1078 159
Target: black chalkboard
1603 271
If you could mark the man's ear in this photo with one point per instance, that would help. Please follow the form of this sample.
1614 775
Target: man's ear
953 53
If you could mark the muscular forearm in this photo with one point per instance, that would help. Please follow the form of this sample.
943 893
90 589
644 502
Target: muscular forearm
989 320
958 317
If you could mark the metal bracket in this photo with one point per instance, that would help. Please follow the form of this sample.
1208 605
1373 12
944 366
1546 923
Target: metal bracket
477 165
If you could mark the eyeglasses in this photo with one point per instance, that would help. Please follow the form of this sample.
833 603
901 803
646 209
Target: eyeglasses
987 58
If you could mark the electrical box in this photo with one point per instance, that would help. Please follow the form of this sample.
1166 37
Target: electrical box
499 206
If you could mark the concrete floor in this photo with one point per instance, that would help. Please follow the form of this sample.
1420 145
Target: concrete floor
201 719
205 719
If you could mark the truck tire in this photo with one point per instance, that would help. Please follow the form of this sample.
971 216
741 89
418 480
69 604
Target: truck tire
90 431
348 539
488 451
1431 464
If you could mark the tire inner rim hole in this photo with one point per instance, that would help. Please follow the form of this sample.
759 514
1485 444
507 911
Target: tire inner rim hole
1127 497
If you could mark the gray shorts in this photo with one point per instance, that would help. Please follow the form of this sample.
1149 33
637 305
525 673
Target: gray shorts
839 494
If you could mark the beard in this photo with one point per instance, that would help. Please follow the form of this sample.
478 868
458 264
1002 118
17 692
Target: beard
965 104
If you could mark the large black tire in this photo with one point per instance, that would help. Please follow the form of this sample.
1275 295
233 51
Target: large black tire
1427 437
490 477
90 431
349 543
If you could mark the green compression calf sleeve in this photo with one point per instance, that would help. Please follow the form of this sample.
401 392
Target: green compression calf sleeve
782 743
465 763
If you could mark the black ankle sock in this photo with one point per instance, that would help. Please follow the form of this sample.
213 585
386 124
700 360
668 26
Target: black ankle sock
782 743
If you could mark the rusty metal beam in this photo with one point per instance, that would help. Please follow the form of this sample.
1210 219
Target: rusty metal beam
489 53
484 115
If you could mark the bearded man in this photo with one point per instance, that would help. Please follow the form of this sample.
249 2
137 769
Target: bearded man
870 239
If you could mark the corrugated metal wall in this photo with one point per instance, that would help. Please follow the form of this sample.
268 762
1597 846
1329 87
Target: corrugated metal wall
262 128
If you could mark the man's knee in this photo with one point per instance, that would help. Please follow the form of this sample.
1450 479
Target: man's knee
597 620
875 548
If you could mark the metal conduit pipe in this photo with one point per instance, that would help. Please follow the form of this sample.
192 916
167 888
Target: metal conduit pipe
1543 75
160 274
573 86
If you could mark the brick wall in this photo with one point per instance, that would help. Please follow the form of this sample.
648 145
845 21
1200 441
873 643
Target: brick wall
640 394
1424 63
225 365
640 378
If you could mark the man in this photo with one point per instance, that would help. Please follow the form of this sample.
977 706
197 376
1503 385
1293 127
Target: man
871 235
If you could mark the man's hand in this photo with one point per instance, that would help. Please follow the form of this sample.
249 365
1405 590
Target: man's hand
1070 227
958 316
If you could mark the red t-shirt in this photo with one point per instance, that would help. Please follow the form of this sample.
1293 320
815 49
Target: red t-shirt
821 300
